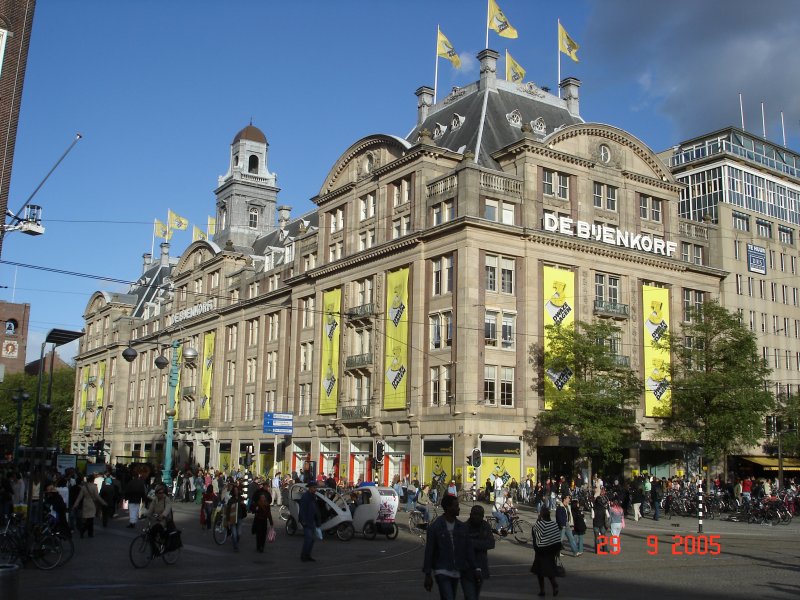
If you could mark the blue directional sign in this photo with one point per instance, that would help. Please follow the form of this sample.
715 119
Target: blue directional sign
278 423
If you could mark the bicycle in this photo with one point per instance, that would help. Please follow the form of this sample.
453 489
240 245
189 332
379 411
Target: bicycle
41 546
221 530
143 549
517 527
469 495
417 523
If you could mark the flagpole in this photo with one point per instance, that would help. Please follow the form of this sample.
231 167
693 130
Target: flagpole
153 241
763 122
741 109
506 64
783 129
487 23
436 69
558 53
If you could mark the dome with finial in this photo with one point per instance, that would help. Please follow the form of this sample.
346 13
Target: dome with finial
252 133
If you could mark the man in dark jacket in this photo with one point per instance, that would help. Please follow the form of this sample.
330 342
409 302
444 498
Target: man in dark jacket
480 533
135 494
599 517
449 555
310 519
656 494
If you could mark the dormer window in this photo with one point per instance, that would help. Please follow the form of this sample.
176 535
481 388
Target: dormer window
252 164
538 125
439 131
252 221
457 121
514 118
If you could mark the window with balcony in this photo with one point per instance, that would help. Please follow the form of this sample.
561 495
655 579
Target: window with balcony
364 291
362 389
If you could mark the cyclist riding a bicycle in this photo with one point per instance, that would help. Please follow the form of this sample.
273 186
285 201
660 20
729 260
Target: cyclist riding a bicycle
159 518
423 500
502 506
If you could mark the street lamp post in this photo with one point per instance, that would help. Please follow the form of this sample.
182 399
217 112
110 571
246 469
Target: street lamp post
189 356
104 416
19 397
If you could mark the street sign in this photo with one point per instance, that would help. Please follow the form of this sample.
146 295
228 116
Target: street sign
278 423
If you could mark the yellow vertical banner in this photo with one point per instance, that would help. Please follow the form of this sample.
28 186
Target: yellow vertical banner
177 398
655 311
396 357
559 302
84 398
100 396
329 363
207 375
438 470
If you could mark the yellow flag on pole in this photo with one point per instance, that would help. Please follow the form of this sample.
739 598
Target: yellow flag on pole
162 230
445 49
566 44
198 234
499 22
211 229
176 221
514 71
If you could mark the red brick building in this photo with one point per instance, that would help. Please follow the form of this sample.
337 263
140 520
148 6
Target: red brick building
14 335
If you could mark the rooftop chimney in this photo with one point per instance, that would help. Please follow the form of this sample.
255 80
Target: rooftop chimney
164 254
569 93
424 103
283 216
488 59
147 260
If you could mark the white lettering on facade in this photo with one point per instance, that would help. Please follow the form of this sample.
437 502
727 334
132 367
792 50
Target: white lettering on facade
193 311
609 235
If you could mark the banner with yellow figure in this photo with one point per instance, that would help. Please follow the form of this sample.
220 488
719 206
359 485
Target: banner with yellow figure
396 358
438 471
501 460
559 302
657 395
207 375
84 398
176 400
329 365
99 398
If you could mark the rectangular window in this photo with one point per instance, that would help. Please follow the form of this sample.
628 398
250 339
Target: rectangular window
692 301
252 332
307 308
232 336
230 372
436 331
739 284
507 275
737 249
563 186
509 325
306 356
741 222
490 385
490 329
490 211
367 206
491 273
650 208
611 198
597 195
685 251
698 255
435 389
547 182
507 386
336 220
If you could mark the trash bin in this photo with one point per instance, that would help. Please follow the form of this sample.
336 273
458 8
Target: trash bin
9 582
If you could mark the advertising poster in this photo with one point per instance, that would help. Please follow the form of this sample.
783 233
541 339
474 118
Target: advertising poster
438 463
100 396
559 303
501 460
84 397
207 376
396 359
657 395
329 365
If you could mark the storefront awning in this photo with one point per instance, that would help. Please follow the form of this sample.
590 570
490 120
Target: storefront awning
771 464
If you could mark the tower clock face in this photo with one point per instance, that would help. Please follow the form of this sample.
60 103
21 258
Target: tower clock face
10 348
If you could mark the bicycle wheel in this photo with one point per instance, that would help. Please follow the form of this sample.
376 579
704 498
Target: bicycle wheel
140 552
522 531
494 527
171 556
285 513
67 547
8 549
46 552
220 530
393 532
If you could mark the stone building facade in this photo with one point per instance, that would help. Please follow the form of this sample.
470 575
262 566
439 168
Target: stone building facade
407 305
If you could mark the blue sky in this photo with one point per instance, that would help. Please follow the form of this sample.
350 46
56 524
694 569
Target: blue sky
159 89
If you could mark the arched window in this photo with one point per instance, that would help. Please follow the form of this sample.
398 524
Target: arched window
222 220
253 220
252 164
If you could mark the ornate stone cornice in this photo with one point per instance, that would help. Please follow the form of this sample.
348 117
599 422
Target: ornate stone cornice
529 147
659 183
364 257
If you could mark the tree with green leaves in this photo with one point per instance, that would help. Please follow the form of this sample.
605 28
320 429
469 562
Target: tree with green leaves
61 399
591 391
720 397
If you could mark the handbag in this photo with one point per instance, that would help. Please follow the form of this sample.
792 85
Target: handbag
560 570
271 535
318 533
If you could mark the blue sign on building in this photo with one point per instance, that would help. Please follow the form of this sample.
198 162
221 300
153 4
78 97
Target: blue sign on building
756 259
278 423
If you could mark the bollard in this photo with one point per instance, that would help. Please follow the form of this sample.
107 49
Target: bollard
9 582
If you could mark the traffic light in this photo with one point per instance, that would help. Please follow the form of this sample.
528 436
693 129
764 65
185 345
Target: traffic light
476 458
380 449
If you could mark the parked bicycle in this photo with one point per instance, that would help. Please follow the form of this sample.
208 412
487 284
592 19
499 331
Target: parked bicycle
39 545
